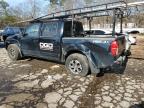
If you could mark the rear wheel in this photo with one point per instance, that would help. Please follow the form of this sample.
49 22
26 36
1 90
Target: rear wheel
14 52
77 64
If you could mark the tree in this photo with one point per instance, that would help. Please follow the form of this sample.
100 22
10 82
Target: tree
89 2
53 5
27 10
3 7
57 5
6 17
58 2
34 8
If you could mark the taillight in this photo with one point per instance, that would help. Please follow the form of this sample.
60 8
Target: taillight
114 48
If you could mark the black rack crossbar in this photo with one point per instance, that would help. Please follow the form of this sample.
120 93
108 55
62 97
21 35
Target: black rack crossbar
85 10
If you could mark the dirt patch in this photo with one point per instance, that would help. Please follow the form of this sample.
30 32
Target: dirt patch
41 84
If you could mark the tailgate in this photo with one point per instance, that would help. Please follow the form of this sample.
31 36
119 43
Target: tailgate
121 44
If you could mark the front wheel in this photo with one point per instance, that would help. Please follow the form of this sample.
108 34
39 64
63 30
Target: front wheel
14 52
77 64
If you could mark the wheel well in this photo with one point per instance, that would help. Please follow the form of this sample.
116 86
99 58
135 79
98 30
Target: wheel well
79 52
6 45
73 52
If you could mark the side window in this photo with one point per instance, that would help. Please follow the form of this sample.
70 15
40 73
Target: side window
77 29
67 29
33 30
50 29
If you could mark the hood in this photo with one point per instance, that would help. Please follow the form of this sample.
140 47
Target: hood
15 36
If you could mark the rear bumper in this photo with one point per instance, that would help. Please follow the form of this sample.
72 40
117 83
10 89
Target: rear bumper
127 53
119 63
120 60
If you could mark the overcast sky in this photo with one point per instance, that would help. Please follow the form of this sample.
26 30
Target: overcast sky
14 2
17 2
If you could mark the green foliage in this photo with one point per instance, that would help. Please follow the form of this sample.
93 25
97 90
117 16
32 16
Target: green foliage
59 2
88 1
10 19
62 2
4 21
5 18
4 5
53 1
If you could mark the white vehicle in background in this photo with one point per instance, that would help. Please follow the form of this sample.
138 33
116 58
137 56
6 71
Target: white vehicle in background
132 40
128 44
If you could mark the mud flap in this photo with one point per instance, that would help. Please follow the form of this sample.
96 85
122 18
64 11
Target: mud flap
93 67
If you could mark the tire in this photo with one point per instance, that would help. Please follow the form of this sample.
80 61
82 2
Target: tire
14 52
77 64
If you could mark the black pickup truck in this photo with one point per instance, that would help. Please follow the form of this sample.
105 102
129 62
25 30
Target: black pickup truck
56 40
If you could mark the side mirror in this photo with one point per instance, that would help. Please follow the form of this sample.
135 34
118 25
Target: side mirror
25 34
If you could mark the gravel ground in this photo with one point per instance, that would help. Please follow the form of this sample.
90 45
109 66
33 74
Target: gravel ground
33 83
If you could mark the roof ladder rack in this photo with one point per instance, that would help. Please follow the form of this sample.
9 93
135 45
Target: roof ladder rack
84 10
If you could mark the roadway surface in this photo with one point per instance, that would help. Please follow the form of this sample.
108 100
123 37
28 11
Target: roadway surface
33 83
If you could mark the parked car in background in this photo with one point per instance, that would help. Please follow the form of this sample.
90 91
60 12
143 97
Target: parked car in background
98 32
132 40
127 44
134 32
9 31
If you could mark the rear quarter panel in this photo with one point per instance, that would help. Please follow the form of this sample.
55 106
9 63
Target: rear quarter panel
96 49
